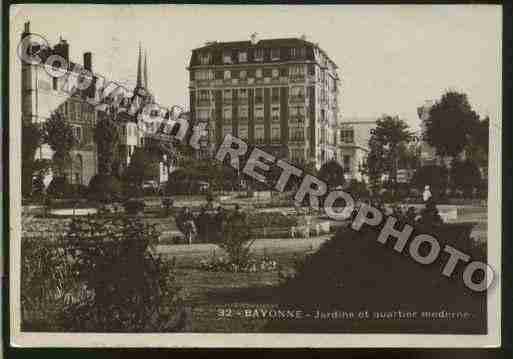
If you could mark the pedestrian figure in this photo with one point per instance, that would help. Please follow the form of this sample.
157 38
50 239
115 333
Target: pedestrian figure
186 225
426 195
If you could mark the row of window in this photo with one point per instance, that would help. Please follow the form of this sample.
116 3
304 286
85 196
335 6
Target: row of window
295 134
242 56
292 71
296 93
258 133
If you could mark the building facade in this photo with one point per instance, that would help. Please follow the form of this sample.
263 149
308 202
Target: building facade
280 93
354 135
428 154
46 90
43 94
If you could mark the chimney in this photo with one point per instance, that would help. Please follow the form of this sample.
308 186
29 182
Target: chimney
254 38
62 49
26 30
88 61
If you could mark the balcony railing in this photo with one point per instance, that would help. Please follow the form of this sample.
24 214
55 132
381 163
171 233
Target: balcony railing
297 118
275 118
297 139
259 119
243 119
297 78
204 102
296 99
227 101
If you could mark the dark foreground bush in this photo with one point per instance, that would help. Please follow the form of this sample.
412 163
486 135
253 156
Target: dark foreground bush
104 278
134 206
104 188
354 272
59 188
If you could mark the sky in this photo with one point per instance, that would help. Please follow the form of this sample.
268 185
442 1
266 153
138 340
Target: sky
391 58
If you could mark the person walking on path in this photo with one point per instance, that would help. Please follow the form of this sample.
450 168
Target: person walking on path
426 195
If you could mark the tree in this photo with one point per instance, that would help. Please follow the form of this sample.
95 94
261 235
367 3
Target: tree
465 175
58 134
332 173
409 155
434 176
107 138
450 124
143 166
387 139
477 149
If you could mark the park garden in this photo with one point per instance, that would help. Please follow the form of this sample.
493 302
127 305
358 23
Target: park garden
115 256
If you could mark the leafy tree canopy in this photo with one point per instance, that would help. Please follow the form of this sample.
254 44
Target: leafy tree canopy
450 124
332 173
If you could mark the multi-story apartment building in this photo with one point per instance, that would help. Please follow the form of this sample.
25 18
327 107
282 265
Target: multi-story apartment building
44 91
353 144
277 93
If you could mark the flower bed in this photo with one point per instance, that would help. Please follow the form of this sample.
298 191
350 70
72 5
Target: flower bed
223 264
271 219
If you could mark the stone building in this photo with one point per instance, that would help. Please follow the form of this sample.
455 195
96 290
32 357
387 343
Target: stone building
277 93
46 90
43 93
353 145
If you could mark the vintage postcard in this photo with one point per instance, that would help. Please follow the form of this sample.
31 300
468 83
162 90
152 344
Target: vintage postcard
255 176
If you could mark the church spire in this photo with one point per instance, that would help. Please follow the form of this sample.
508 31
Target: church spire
139 70
145 71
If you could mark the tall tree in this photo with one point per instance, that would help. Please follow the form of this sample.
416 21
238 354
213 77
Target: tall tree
477 150
143 166
450 124
58 134
388 138
107 138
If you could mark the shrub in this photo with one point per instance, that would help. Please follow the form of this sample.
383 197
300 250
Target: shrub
59 188
271 219
431 175
134 206
465 176
46 283
131 289
104 278
332 173
235 239
104 188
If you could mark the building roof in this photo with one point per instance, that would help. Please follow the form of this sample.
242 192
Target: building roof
264 44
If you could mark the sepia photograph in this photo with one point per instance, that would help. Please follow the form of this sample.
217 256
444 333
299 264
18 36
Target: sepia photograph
255 176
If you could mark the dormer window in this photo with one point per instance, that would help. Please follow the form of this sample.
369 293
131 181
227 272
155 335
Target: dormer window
205 58
227 57
275 54
243 56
